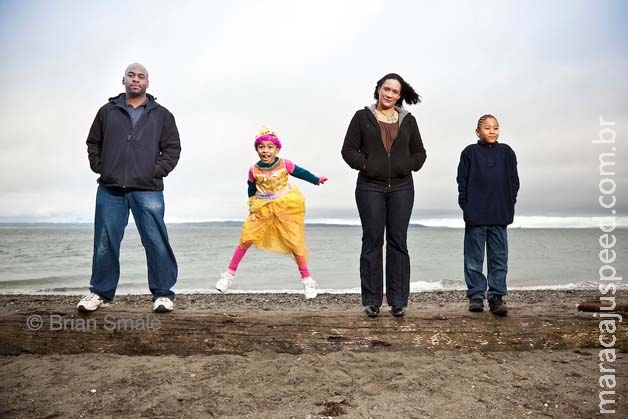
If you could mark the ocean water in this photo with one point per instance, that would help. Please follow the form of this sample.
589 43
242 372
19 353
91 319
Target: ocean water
56 259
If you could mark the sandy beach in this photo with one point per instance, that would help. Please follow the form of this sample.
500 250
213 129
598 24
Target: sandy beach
279 356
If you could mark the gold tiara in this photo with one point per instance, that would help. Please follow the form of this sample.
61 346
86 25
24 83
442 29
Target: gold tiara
265 131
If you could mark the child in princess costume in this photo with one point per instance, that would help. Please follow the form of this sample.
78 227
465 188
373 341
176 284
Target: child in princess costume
276 220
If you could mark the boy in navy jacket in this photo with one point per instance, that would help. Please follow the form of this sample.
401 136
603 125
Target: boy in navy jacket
488 183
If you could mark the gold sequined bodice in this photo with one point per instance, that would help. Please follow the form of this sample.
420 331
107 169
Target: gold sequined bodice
272 180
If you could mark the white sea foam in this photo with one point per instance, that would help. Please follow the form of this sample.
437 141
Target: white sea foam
56 259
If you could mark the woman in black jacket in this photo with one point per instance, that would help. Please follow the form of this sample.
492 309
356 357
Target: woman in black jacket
384 144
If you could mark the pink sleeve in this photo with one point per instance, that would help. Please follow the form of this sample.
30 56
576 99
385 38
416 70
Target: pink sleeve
289 165
251 178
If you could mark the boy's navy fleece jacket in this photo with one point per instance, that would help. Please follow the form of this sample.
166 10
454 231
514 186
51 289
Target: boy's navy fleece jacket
488 184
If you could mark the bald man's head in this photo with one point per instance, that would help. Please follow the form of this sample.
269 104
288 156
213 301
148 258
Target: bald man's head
136 67
135 80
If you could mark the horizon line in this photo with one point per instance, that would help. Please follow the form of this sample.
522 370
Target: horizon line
442 222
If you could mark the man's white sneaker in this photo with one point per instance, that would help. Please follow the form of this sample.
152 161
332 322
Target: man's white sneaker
309 287
163 305
225 281
90 303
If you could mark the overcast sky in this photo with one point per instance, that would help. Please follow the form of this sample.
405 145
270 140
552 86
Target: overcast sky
547 70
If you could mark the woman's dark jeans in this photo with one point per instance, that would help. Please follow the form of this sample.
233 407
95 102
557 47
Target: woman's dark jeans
385 209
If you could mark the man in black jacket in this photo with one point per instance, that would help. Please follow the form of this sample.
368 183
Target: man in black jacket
133 144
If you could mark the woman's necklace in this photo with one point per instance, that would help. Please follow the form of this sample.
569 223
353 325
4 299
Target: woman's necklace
392 118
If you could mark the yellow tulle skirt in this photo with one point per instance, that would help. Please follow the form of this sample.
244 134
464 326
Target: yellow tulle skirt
277 225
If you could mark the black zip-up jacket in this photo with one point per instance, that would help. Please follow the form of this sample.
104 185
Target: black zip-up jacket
488 183
363 148
133 157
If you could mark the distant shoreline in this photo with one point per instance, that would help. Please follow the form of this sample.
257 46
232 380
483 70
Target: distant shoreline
236 223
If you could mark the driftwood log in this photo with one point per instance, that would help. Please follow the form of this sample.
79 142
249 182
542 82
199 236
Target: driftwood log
136 331
595 306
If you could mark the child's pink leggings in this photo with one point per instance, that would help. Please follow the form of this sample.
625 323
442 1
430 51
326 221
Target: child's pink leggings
241 249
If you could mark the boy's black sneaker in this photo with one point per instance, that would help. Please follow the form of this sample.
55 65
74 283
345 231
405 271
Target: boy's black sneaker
476 305
497 306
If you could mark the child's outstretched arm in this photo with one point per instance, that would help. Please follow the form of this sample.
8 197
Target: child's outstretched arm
251 182
303 174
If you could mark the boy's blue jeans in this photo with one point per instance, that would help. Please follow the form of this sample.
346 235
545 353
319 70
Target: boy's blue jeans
495 239
112 216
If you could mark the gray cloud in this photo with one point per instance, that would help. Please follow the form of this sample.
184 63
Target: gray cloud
548 70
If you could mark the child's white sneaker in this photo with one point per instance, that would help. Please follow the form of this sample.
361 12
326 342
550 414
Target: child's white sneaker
309 287
225 281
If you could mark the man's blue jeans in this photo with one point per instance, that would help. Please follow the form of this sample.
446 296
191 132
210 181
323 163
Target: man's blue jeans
385 209
112 216
495 239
